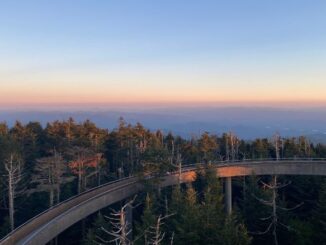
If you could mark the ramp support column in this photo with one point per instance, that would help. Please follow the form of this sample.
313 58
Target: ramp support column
228 195
129 220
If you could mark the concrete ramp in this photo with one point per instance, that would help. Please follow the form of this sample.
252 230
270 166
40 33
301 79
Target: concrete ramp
49 224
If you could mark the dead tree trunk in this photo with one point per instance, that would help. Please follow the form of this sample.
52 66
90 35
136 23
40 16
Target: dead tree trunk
274 215
11 196
277 145
13 167
122 229
155 233
274 221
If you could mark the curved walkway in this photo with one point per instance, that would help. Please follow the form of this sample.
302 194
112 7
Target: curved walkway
46 226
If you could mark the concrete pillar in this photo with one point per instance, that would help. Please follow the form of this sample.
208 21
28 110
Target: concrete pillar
228 195
129 219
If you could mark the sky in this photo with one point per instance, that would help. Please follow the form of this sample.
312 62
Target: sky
131 52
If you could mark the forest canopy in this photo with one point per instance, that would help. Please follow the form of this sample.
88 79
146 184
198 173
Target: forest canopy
41 166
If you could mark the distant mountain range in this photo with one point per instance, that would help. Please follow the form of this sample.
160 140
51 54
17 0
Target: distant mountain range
248 123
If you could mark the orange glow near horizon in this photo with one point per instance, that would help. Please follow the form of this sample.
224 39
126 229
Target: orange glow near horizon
161 96
155 88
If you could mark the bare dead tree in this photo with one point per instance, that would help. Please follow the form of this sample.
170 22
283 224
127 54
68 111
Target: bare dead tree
166 204
232 143
13 167
49 175
121 228
172 151
178 165
156 236
172 239
277 142
220 156
227 150
307 147
274 221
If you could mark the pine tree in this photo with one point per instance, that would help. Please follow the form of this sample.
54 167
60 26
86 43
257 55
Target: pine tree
234 233
96 232
321 214
251 208
212 209
148 219
188 230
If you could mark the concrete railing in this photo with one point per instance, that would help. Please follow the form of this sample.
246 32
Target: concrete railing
47 225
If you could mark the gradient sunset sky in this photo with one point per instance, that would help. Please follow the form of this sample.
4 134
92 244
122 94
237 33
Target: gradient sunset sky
164 51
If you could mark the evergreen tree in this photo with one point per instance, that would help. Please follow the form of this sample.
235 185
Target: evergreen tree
148 219
321 215
187 232
234 233
96 231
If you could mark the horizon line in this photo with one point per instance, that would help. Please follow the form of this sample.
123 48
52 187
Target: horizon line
166 104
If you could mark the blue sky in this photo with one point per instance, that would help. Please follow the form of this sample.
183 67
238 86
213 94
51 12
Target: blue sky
162 51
